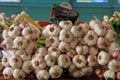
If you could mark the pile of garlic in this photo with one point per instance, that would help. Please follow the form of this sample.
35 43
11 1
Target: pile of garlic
83 49
20 42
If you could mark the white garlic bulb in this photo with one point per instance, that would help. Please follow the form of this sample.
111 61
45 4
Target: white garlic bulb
7 43
65 35
109 74
25 56
14 31
52 41
113 46
72 68
90 38
15 62
114 65
54 51
8 72
64 61
79 61
41 52
110 35
93 50
18 74
76 31
50 60
5 34
5 60
73 43
53 30
92 60
20 42
27 66
55 71
76 73
65 24
87 70
93 22
103 58
45 31
16 52
64 47
43 75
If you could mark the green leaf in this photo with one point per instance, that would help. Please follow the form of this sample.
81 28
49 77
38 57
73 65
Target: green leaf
110 79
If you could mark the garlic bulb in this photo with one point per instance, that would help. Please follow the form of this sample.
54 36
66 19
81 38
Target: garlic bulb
43 75
92 60
64 61
27 66
76 31
7 43
64 47
92 23
115 54
90 38
113 46
72 68
114 65
50 60
65 24
14 31
109 74
55 71
5 60
82 49
5 34
76 74
79 61
25 56
20 42
87 70
41 52
38 62
93 50
118 75
71 53
45 31
54 51
15 62
103 58
18 74
52 41
53 30
73 43
8 72
100 29
110 35
65 35
16 52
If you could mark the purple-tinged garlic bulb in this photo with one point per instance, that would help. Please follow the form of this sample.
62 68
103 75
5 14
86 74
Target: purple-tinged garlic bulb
87 70
66 24
65 35
43 75
64 47
76 73
71 53
64 61
73 43
7 43
41 52
93 50
27 66
103 58
79 61
55 71
14 31
72 68
15 62
109 74
5 34
82 49
90 38
52 41
113 46
76 31
50 60
114 65
85 27
19 74
20 42
92 60
102 43
5 60
100 29
54 51
38 62
8 72
110 35
53 30
25 56
115 54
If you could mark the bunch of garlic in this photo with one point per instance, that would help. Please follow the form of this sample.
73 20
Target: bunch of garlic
20 40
